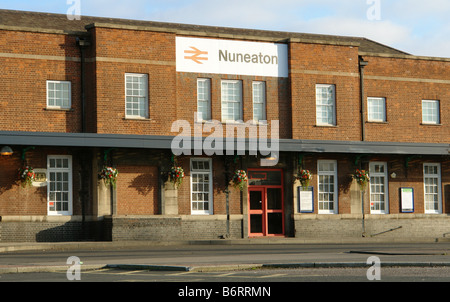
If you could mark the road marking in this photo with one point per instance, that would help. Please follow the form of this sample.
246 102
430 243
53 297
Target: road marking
129 273
272 276
179 274
224 275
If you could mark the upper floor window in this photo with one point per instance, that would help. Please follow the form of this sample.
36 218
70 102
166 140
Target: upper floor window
203 99
59 95
325 105
231 100
430 112
136 95
376 109
259 101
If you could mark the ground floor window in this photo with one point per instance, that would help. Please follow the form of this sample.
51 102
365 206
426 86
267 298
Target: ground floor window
201 186
432 184
378 188
59 187
327 181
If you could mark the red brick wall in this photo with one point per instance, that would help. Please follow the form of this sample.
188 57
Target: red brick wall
172 95
277 100
404 99
137 190
109 75
219 197
18 200
313 64
23 81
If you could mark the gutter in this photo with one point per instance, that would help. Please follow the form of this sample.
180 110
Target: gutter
83 44
362 64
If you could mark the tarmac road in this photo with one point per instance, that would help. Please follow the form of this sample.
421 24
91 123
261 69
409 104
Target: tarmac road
203 257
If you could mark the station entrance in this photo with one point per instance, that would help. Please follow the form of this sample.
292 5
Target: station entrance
265 202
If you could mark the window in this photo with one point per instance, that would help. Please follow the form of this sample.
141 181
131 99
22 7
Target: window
327 178
376 109
432 185
378 188
59 187
59 95
259 101
231 101
136 95
430 112
201 186
325 105
203 99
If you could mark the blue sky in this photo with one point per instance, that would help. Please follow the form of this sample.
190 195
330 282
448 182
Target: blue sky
418 27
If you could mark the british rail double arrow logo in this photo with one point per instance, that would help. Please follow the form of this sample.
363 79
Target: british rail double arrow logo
196 55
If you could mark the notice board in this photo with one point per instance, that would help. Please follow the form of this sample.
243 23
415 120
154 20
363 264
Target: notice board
407 200
305 199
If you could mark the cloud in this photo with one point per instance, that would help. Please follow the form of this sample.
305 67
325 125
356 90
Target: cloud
384 32
415 26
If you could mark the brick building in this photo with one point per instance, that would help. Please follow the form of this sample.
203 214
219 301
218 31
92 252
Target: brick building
79 95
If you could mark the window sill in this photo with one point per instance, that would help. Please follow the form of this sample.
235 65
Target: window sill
59 109
326 126
430 124
137 119
376 122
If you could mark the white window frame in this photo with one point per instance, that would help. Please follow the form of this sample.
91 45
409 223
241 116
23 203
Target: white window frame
323 105
427 187
203 99
142 103
321 187
376 109
259 100
375 188
60 190
195 172
234 100
60 101
434 115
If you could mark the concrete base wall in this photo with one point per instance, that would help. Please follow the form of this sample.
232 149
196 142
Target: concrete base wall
379 226
50 229
166 228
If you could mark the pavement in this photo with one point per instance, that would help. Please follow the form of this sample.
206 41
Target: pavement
426 252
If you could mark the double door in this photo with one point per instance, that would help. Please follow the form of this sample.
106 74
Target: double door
265 210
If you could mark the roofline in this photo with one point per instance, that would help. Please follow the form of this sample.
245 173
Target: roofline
93 140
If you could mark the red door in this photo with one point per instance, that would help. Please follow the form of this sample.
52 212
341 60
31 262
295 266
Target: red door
265 206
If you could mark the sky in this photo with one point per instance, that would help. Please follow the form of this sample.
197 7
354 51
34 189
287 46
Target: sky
418 27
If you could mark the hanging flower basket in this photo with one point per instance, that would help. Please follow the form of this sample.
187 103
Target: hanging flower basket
304 176
26 175
109 175
176 175
362 178
239 179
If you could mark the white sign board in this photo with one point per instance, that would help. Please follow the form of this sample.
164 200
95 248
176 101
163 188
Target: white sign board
231 57
305 200
407 196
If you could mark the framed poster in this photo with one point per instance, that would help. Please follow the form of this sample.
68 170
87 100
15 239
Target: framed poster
305 200
407 200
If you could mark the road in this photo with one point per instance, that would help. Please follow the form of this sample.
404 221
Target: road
388 274
204 255
218 263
